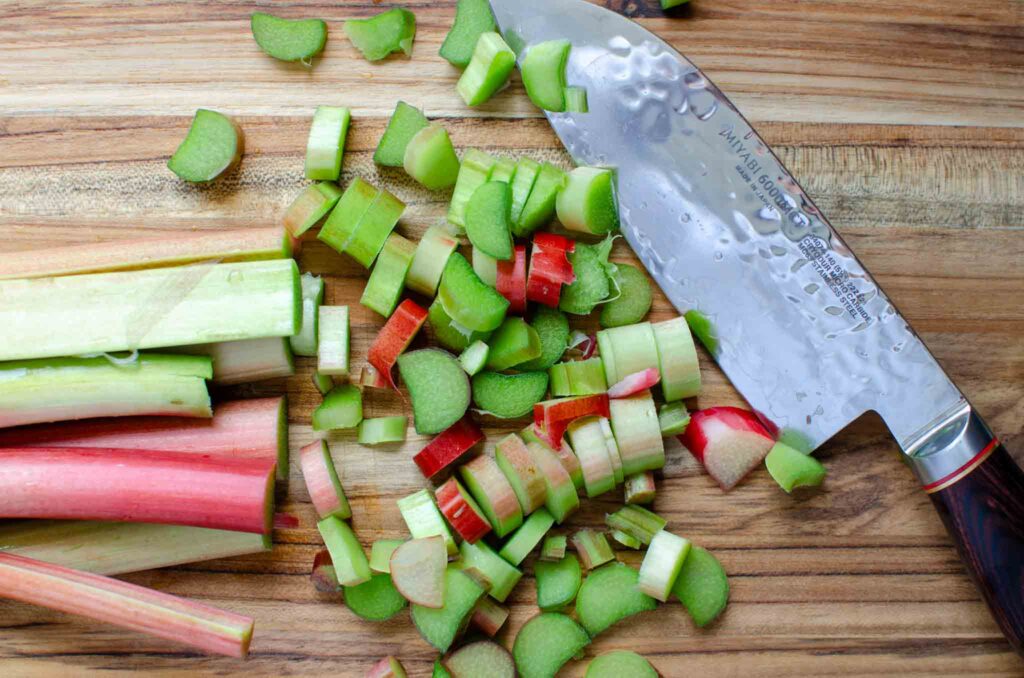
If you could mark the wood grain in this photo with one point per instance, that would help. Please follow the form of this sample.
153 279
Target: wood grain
902 118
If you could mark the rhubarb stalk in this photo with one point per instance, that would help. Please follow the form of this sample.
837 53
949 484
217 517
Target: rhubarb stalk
511 280
549 268
395 337
142 486
125 605
448 447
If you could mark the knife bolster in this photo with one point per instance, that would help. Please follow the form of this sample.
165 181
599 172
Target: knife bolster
950 449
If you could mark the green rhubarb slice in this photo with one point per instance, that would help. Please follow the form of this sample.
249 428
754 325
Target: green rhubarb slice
613 450
578 377
637 522
430 158
405 122
791 468
341 223
441 626
440 671
288 39
488 220
305 342
540 205
561 499
482 658
508 396
633 300
326 143
513 343
383 34
526 174
438 388
703 329
374 227
526 538
522 472
310 206
350 564
467 299
380 430
592 284
474 357
332 341
619 663
593 548
429 261
557 582
503 170
702 586
323 382
661 565
473 18
545 643
380 554
488 69
473 173
552 327
627 540
543 70
673 419
486 267
587 203
608 595
341 408
424 519
493 493
588 441
212 146
387 279
576 100
677 359
638 433
627 350
640 488
56 389
502 576
553 548
375 600
449 333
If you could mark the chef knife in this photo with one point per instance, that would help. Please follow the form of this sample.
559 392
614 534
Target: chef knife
803 330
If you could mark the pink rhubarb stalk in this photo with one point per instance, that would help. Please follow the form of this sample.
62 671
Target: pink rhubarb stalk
549 268
448 446
395 336
729 441
634 383
125 605
464 517
511 281
140 486
320 475
552 417
369 377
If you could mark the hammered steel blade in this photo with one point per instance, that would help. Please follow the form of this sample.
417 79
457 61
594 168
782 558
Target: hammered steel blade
805 333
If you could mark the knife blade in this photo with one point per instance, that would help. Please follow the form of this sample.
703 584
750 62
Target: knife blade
804 331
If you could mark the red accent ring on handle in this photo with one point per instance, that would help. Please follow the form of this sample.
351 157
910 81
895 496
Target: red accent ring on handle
963 471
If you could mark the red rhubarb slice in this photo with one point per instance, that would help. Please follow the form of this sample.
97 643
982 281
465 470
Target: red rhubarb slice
729 441
448 446
549 268
635 383
461 511
322 575
552 417
395 337
511 281
140 486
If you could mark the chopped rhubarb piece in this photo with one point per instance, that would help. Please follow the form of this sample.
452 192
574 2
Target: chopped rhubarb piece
446 448
322 481
126 605
424 520
388 667
729 441
370 377
323 576
593 548
552 417
492 491
553 548
640 488
637 522
635 383
662 562
511 280
549 268
417 570
350 563
137 486
489 616
395 337
526 478
581 346
638 433
461 511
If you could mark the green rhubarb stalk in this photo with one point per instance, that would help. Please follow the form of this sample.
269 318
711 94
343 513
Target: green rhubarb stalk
472 19
539 207
702 586
552 327
557 582
383 34
640 488
637 522
633 299
593 283
791 468
387 279
238 362
543 70
448 332
304 343
513 343
326 143
467 299
380 554
553 548
362 221
430 158
504 170
587 203
488 69
486 267
661 565
347 554
526 538
375 600
341 408
526 174
508 396
405 122
474 357
333 341
310 206
380 430
673 419
627 540
106 312
620 663
288 39
578 377
488 220
118 548
423 518
438 388
429 260
213 145
638 433
545 643
502 576
576 100
609 595
473 172
59 389
593 548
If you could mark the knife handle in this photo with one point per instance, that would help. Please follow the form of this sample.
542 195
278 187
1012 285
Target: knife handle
980 498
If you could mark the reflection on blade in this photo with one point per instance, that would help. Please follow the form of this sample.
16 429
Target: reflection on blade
804 332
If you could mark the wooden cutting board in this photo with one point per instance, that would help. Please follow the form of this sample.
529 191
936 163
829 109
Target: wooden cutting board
903 119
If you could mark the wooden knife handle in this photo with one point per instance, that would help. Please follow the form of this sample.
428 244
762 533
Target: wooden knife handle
982 505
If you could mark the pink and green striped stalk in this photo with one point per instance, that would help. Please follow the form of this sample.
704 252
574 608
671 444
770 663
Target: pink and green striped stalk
322 481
